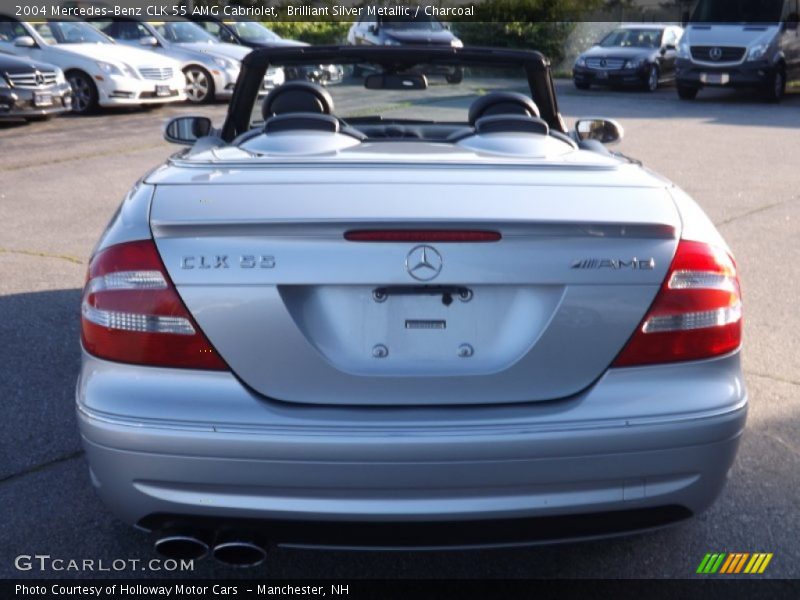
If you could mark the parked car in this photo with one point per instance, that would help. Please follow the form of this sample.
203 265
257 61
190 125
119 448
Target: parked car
100 72
641 56
405 31
210 66
32 90
254 34
740 45
381 314
399 31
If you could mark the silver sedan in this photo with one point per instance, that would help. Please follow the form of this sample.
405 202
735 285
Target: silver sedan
211 67
393 314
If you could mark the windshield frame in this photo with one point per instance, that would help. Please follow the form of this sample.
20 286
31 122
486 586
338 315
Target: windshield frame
704 19
161 36
269 35
254 66
415 24
104 39
633 30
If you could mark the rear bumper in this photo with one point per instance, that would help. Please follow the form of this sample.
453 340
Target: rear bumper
753 74
166 444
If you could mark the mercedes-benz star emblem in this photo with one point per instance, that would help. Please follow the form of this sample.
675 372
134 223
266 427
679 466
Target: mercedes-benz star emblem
603 62
39 78
423 263
715 53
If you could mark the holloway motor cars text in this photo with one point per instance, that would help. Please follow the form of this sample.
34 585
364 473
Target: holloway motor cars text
44 11
165 591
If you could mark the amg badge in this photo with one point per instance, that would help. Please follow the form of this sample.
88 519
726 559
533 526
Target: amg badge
616 264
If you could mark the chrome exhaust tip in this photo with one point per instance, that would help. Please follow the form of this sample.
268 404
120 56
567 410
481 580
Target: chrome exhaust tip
179 545
239 553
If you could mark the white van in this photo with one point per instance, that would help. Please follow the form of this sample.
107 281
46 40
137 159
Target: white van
740 44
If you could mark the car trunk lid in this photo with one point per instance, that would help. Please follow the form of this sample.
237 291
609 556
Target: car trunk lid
302 314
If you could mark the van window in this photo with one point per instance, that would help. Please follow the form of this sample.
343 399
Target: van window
738 11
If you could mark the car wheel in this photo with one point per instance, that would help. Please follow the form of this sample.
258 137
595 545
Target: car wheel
776 86
84 93
651 85
582 85
456 76
687 93
199 85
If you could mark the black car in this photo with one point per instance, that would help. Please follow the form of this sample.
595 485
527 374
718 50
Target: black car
257 35
32 90
400 31
420 30
641 56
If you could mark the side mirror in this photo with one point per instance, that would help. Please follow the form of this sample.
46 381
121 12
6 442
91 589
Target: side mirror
605 131
148 40
187 130
25 41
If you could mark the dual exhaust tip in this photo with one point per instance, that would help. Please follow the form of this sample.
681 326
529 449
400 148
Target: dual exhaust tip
230 549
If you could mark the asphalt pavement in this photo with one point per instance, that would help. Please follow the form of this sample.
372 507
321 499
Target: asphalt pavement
61 181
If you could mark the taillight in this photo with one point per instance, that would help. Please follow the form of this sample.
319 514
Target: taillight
131 312
697 313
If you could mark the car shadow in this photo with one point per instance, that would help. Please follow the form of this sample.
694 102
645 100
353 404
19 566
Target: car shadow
40 355
725 107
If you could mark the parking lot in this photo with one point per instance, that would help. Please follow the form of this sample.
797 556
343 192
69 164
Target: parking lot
61 181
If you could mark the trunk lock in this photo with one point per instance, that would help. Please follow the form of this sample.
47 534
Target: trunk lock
380 351
465 351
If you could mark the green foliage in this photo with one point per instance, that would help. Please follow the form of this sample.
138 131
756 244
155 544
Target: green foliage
546 37
313 32
542 25
535 11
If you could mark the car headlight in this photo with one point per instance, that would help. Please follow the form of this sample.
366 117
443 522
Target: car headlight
684 51
59 77
634 63
580 62
109 68
456 43
224 63
757 52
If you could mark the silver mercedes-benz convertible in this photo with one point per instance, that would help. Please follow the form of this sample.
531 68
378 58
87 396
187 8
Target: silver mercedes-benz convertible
406 313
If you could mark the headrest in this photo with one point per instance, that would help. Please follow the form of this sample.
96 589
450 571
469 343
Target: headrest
297 97
511 124
502 103
302 121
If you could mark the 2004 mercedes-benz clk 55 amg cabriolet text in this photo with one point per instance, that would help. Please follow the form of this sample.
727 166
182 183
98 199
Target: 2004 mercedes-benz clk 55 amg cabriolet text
408 315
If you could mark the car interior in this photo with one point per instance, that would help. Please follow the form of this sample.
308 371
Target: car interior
306 106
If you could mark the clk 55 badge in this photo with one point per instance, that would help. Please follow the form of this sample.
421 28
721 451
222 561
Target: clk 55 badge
220 261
